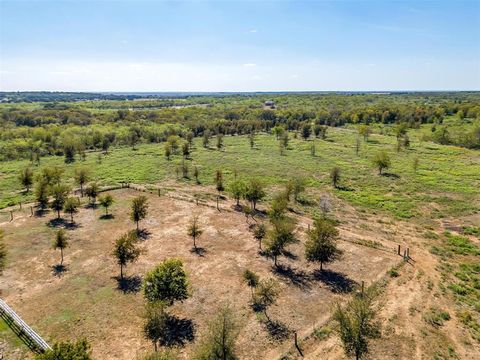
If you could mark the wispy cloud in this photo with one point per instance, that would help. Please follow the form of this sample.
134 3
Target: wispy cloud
249 65
253 31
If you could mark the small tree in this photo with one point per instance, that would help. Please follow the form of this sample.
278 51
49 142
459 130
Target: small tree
196 173
194 230
251 279
278 207
79 350
254 192
219 141
219 180
41 193
357 145
60 242
167 282
365 131
82 176
259 234
298 186
335 176
59 194
306 131
279 238
185 150
251 139
321 245
266 294
71 207
125 250
139 209
26 178
237 190
381 161
355 324
206 139
168 151
415 164
106 201
220 340
92 192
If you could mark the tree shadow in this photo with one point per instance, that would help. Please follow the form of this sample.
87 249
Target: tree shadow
290 255
296 277
58 269
200 251
277 330
40 212
57 223
71 225
391 175
143 234
129 284
91 206
305 201
344 188
335 281
177 332
107 217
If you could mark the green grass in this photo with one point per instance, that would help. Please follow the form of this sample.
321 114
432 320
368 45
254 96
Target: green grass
446 182
7 335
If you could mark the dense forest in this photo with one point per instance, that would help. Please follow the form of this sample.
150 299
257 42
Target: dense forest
76 122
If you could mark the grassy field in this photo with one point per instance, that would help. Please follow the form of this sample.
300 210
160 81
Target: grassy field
447 182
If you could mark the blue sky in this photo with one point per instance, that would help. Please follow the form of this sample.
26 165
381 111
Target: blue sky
239 46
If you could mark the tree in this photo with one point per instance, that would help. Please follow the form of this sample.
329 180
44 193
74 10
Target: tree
266 294
167 282
278 207
60 242
206 139
160 355
26 178
3 253
69 150
365 131
219 343
185 150
357 145
172 141
219 141
139 209
321 245
251 139
82 176
106 201
251 279
306 131
335 176
59 197
254 192
237 190
92 192
415 164
41 193
298 186
168 151
219 180
382 161
71 207
279 237
325 205
79 350
194 230
355 324
125 250
196 173
156 322
259 234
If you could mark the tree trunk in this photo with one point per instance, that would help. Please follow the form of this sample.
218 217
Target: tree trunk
194 244
58 214
137 226
155 345
61 254
321 266
106 210
121 271
71 217
81 189
275 260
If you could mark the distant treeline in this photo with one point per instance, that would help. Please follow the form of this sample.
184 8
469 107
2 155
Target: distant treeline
51 127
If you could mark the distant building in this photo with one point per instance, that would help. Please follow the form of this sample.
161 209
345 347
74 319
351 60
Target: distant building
269 104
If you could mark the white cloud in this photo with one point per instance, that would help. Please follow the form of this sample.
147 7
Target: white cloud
249 65
253 31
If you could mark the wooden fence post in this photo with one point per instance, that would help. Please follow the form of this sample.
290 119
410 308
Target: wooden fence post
11 215
31 210
296 344
398 249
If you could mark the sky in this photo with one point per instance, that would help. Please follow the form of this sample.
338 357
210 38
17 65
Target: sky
342 45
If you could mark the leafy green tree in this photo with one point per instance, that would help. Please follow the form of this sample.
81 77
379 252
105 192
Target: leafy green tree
41 193
92 191
52 175
186 150
60 242
26 178
219 180
139 209
321 245
278 207
82 176
298 186
196 174
69 149
254 192
259 233
106 201
219 141
219 343
306 131
168 151
382 161
237 190
279 238
266 294
59 197
79 350
251 140
71 207
173 141
335 176
126 250
365 131
251 279
278 131
206 139
194 230
167 282
160 355
355 324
